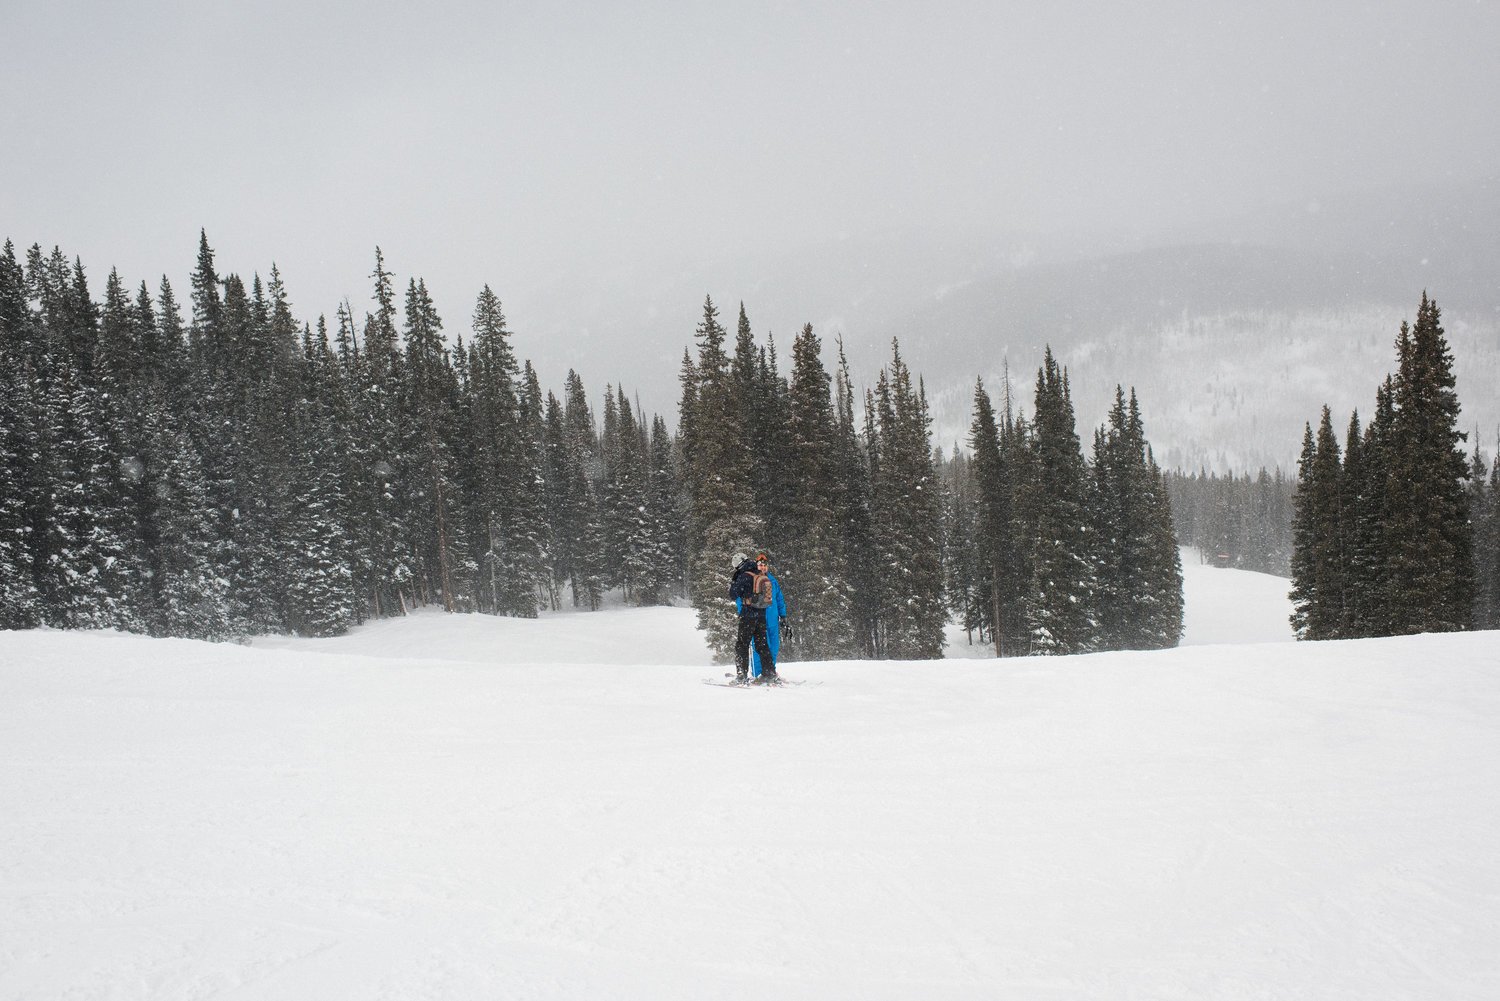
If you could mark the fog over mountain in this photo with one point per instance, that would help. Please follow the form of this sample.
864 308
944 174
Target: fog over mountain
1234 333
976 178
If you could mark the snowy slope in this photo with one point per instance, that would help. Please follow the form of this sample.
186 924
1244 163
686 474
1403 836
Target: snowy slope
476 808
1232 606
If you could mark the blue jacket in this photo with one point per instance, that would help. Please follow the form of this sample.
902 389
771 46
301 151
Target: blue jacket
774 615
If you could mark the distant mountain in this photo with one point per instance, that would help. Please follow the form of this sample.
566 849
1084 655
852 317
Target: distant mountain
1231 348
1233 344
1233 333
1445 236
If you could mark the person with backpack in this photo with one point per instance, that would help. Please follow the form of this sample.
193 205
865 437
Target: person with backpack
775 619
752 592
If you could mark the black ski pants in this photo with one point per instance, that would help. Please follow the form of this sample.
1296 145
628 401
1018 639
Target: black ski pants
752 627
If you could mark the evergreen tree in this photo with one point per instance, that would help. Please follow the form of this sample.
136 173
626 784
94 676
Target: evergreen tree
1061 602
1371 550
249 463
527 531
20 602
429 397
1360 547
1432 571
1318 568
88 580
1138 576
719 483
810 559
1018 471
857 528
627 468
993 535
662 543
581 523
384 564
207 305
906 508
505 501
320 595
1304 593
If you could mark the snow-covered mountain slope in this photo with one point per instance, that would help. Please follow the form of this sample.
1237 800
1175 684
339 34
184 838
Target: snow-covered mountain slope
465 807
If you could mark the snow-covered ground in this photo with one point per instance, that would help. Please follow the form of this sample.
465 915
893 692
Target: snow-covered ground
466 807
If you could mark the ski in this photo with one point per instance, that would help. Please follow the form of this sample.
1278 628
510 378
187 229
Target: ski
779 683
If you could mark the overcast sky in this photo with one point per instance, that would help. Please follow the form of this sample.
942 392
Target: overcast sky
522 144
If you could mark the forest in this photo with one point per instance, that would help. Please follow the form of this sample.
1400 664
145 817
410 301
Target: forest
219 469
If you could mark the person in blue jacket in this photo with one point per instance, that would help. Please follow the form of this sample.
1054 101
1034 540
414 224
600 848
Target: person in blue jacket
752 592
775 618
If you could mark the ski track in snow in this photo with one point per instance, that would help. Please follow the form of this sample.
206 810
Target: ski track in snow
465 807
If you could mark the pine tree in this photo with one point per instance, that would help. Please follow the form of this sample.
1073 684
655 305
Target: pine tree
320 595
207 305
662 544
1319 566
581 522
1373 561
857 528
1432 569
429 392
1061 602
385 567
89 580
811 563
1162 625
20 601
1304 594
505 502
1359 555
1138 574
906 508
182 551
192 594
527 531
719 483
993 535
627 474
250 468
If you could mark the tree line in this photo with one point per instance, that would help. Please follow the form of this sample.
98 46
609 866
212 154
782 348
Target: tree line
238 473
235 472
879 539
1397 530
1235 520
1053 553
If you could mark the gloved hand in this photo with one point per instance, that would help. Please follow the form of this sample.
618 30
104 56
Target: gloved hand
781 624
